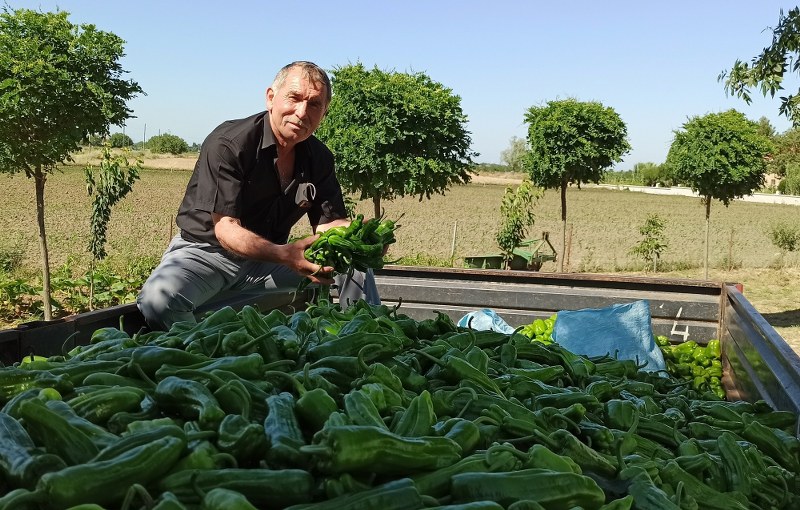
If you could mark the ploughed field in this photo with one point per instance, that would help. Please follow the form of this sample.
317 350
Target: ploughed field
602 228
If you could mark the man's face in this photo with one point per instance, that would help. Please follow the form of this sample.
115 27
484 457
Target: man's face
296 108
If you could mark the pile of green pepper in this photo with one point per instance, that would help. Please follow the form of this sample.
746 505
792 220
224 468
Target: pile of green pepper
540 330
700 364
370 408
358 246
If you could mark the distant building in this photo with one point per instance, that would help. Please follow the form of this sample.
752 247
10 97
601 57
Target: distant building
772 180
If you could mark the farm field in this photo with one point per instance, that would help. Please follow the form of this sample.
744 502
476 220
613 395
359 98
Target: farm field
603 227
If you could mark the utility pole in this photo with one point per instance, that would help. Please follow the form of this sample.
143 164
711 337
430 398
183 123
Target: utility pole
144 136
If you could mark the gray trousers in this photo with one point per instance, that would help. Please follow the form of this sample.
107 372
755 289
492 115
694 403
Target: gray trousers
195 277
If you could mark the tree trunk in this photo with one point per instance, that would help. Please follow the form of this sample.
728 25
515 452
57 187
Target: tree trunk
376 205
40 178
563 226
708 222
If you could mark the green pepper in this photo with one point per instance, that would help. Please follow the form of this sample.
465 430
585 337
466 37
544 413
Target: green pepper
646 495
418 418
244 440
394 495
382 396
99 406
565 443
551 489
373 449
190 400
20 464
314 407
437 483
464 432
712 499
55 433
350 344
234 398
225 499
138 438
361 410
97 434
106 482
283 432
263 488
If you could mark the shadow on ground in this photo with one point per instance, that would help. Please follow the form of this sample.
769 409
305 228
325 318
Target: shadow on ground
787 318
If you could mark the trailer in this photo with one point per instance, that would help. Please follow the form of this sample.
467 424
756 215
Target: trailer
757 363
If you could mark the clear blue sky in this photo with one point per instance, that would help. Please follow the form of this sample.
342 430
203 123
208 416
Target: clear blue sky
656 63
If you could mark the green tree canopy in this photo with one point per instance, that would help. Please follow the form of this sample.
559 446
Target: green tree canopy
572 142
59 83
167 144
721 156
119 140
395 134
768 70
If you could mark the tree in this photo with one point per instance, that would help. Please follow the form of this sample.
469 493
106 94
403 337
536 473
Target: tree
514 155
647 173
768 70
572 142
168 144
786 153
721 156
59 83
107 185
766 128
395 134
790 184
518 216
120 140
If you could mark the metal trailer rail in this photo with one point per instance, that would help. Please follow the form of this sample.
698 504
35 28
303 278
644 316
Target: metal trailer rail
757 362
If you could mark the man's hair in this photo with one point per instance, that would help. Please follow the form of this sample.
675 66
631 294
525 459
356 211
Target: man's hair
310 71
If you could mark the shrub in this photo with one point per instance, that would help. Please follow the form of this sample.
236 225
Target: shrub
785 237
167 143
653 243
10 259
518 216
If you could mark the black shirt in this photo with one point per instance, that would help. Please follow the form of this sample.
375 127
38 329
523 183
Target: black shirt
236 176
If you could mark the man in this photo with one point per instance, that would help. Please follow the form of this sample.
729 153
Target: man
254 179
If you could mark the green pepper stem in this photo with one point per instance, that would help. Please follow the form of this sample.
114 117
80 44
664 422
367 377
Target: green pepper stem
137 490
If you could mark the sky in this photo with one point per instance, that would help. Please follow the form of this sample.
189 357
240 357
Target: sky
656 64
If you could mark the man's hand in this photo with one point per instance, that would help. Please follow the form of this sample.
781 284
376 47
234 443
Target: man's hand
296 261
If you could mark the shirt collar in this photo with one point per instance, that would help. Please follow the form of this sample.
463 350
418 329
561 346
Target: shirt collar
268 139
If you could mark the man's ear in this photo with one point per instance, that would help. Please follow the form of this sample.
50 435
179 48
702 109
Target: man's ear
270 97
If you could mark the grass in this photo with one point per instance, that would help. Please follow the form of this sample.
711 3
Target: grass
602 224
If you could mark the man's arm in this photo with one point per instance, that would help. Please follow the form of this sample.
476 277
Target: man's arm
245 243
318 229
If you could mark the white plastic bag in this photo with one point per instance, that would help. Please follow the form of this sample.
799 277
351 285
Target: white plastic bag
485 320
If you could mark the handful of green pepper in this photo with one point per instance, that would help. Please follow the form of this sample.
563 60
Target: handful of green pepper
358 246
